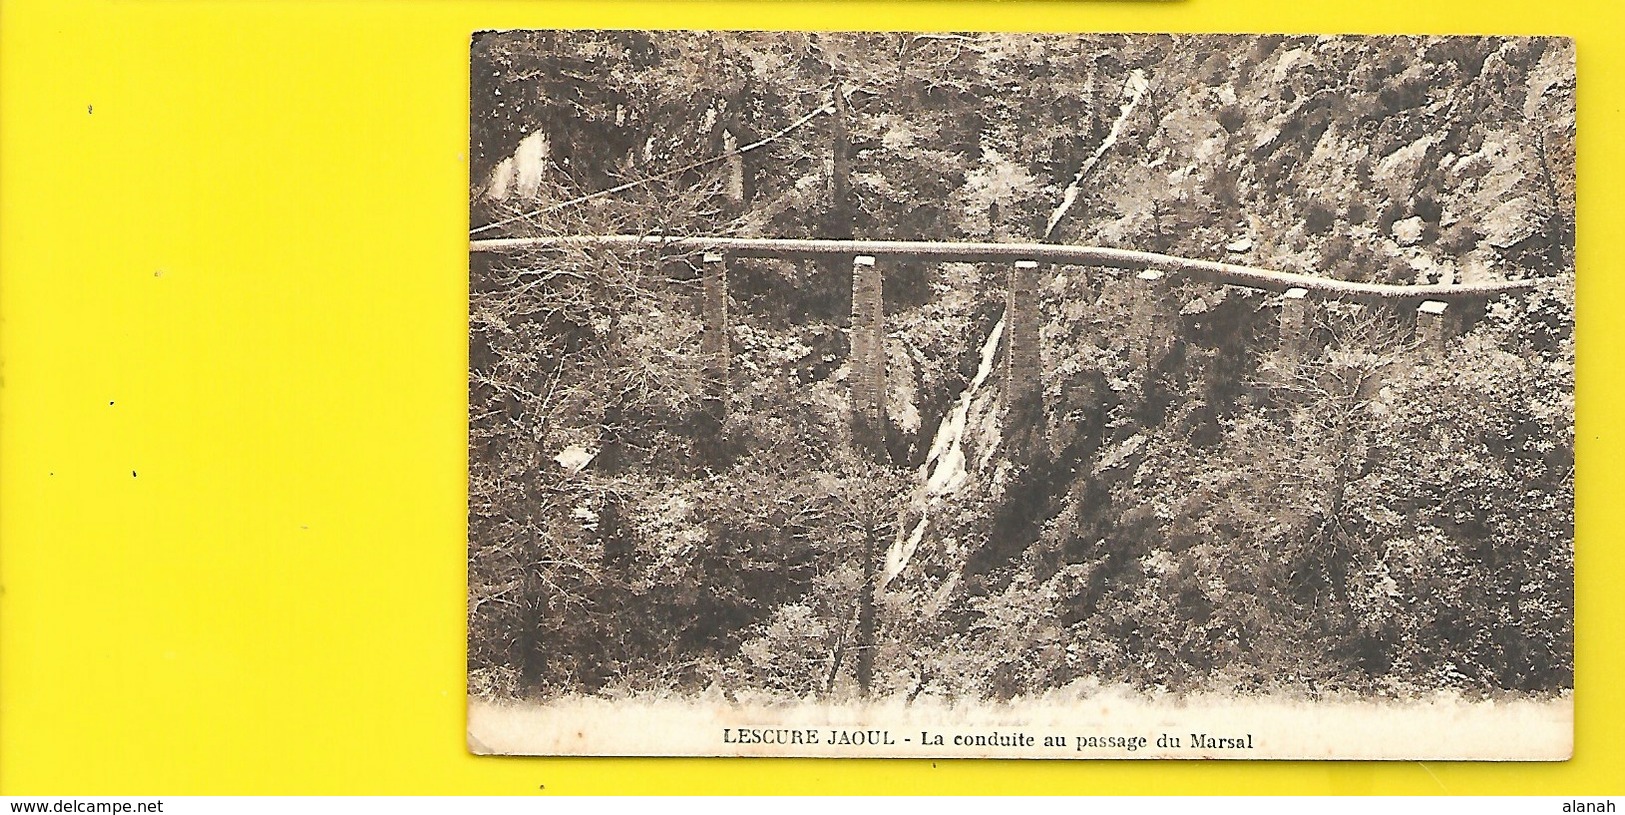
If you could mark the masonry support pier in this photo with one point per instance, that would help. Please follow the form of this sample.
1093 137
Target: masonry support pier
1151 338
1435 325
735 188
867 366
714 332
867 360
1023 359
1294 339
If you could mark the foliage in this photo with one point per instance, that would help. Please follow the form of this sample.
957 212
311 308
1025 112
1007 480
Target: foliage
1207 508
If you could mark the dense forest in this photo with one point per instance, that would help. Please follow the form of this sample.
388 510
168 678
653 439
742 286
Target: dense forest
1187 506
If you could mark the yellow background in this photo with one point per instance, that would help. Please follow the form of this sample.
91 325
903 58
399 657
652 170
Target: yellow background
232 342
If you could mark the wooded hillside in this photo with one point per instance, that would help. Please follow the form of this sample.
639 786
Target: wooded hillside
1182 487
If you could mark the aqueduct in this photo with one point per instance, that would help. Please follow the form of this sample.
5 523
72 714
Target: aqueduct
1437 306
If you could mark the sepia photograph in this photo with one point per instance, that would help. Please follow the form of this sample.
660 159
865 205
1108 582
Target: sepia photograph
1000 395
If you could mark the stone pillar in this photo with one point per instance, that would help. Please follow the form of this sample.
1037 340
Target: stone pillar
838 225
1295 324
1024 366
714 331
735 188
1152 330
1024 422
867 360
1435 325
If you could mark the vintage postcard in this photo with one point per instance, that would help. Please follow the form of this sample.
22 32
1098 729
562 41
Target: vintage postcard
1021 395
